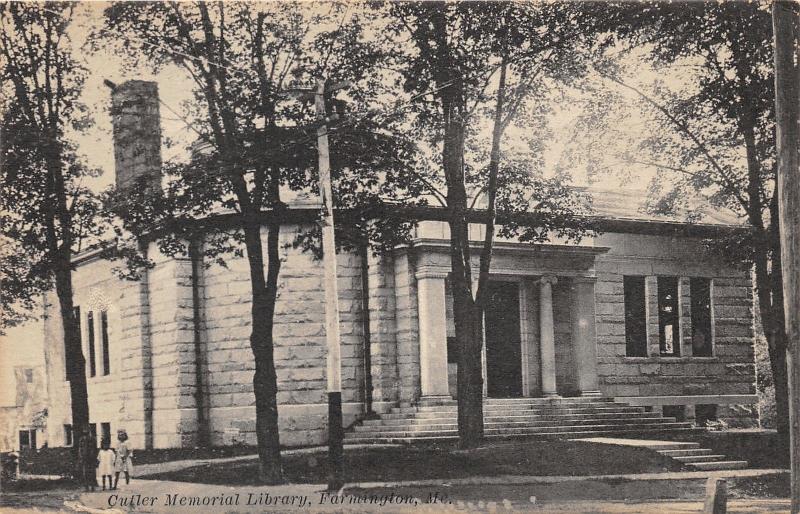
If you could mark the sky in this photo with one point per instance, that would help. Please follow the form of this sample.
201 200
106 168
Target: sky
175 88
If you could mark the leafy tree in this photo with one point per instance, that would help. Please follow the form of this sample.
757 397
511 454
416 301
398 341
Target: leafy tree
45 209
471 59
721 133
243 59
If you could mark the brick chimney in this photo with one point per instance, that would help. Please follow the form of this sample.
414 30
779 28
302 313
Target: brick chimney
137 132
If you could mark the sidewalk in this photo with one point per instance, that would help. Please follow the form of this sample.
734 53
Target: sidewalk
494 494
177 465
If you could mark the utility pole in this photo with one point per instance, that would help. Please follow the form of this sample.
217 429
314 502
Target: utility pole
334 359
332 339
786 27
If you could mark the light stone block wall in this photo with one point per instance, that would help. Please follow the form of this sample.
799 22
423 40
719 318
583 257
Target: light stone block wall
173 351
151 390
383 331
120 397
300 347
566 383
730 371
407 328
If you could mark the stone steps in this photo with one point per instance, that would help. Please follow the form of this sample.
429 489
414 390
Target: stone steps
445 423
720 465
700 459
352 439
423 430
534 410
436 419
511 416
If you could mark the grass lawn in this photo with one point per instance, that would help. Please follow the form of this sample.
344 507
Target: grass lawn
37 494
58 461
417 462
769 486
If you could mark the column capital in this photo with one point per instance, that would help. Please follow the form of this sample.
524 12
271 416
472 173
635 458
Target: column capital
548 279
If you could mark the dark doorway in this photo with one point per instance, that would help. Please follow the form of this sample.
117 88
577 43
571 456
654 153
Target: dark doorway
503 352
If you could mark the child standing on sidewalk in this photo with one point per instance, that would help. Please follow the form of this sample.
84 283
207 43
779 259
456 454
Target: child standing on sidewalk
106 459
124 461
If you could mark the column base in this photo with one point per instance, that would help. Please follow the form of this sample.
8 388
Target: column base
551 395
591 393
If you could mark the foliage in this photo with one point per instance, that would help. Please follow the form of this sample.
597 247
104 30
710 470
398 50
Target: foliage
46 211
270 51
715 132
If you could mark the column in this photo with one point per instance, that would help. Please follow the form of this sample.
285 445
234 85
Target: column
547 339
432 335
583 335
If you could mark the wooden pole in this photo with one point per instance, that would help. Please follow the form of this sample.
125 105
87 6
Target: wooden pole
786 27
335 429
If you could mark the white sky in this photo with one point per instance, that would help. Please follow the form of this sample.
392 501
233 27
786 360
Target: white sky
175 88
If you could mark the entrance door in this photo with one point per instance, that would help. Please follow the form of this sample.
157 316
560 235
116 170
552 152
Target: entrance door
503 341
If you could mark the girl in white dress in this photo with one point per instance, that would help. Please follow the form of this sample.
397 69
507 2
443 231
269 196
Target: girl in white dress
124 463
106 458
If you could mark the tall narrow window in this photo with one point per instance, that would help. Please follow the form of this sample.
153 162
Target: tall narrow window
90 332
635 321
668 330
104 342
67 355
700 289
67 435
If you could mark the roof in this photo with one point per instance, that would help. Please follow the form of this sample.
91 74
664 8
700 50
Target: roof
630 204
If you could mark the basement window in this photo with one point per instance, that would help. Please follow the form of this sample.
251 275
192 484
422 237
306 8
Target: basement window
27 439
67 435
704 413
675 411
105 429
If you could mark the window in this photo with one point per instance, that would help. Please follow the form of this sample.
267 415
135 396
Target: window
105 428
104 342
76 312
27 439
67 435
452 350
29 375
635 320
700 289
705 413
24 439
674 411
90 331
668 326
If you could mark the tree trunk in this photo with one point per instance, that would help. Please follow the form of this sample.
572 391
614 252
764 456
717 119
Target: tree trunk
265 384
467 317
786 25
73 355
466 314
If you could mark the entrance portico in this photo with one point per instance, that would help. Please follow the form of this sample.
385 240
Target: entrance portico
539 331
